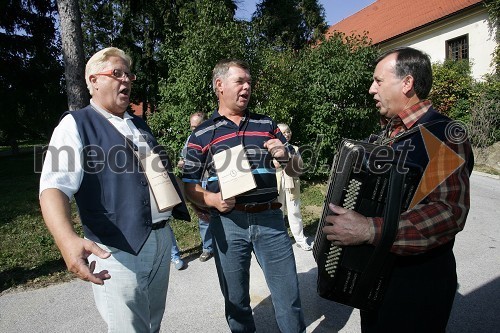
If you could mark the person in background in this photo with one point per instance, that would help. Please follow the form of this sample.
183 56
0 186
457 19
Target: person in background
175 254
289 196
252 221
203 218
93 156
423 284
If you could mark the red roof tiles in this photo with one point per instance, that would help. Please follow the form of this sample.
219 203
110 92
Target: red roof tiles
385 19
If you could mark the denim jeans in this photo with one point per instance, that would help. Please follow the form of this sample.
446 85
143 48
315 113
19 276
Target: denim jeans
206 236
236 235
175 253
133 299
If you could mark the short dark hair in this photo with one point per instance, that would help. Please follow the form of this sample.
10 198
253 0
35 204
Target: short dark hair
410 61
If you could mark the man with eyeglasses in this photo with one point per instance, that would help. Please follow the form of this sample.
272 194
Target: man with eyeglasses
93 155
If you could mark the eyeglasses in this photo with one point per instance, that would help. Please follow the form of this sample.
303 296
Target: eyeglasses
119 74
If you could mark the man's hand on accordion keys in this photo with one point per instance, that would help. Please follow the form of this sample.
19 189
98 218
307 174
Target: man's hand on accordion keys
346 227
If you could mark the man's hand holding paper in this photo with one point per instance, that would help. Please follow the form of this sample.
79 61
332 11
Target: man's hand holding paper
223 206
234 172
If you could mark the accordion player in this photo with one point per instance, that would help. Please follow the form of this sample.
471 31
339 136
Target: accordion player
372 180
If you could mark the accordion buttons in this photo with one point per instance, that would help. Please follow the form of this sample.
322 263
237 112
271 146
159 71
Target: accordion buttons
332 259
352 194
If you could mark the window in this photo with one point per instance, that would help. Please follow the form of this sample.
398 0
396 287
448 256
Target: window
458 48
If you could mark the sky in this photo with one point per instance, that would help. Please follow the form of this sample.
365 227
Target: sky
335 10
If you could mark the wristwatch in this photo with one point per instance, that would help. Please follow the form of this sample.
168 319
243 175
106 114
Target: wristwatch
287 160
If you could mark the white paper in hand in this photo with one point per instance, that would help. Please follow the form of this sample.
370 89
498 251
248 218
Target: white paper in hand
164 192
234 172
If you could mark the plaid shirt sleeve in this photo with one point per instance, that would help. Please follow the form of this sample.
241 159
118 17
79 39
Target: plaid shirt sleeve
437 221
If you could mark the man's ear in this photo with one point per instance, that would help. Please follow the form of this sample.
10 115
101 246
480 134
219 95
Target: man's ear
408 83
93 81
218 85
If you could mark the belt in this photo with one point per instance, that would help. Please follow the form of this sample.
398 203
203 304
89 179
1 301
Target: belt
159 225
257 207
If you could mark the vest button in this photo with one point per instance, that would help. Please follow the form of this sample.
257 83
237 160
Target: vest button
144 183
145 202
148 222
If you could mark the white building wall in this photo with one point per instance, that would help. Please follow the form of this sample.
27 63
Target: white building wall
432 40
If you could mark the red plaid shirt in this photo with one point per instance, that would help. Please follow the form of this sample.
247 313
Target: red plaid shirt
438 221
406 118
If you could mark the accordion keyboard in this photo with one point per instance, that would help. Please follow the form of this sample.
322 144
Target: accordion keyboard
352 194
332 259
335 252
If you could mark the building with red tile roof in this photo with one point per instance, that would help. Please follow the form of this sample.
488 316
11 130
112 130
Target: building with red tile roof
445 29
137 109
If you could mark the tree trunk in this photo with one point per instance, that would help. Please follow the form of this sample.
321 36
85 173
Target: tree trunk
73 54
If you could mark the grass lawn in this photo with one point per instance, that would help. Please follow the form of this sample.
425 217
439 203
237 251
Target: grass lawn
27 252
28 255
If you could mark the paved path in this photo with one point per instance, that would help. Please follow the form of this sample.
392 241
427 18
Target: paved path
195 304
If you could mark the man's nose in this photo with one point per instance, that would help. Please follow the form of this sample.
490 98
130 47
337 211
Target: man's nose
372 90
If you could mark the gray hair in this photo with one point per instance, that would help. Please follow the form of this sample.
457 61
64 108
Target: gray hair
222 67
283 125
98 61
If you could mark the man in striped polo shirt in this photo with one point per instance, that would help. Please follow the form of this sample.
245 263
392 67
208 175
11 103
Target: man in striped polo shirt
251 221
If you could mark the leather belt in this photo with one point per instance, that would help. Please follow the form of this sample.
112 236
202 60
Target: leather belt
257 207
159 225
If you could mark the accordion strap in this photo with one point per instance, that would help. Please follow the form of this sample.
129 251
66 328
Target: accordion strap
382 140
389 230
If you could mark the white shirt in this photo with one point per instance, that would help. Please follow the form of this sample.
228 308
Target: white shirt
62 168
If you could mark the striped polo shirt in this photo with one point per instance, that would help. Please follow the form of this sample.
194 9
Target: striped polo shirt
218 134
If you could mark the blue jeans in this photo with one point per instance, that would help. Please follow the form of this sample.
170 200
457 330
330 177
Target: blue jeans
175 253
206 236
236 235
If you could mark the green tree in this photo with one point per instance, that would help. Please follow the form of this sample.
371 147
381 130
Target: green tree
142 28
278 84
289 23
335 78
30 70
97 22
321 92
493 7
210 33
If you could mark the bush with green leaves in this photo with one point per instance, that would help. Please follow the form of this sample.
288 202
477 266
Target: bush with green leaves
453 89
210 34
484 124
456 94
321 93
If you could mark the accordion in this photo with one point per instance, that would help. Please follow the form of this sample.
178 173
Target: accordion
371 180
